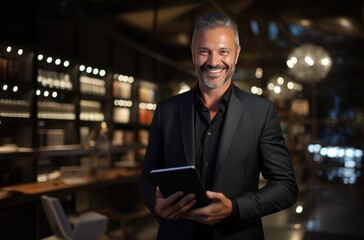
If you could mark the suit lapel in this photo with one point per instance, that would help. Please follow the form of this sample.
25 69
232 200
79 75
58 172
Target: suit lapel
233 115
187 127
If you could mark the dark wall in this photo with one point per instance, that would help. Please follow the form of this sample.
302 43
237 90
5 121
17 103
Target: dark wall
95 42
17 22
52 27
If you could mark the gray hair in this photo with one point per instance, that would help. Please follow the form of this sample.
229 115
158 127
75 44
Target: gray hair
215 20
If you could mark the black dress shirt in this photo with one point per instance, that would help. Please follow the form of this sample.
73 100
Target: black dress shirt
207 140
207 136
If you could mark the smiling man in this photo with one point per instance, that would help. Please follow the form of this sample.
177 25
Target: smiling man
229 136
215 55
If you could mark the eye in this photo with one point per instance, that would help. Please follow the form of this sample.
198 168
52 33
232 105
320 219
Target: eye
203 52
224 52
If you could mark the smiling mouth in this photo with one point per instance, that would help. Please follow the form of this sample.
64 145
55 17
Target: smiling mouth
214 70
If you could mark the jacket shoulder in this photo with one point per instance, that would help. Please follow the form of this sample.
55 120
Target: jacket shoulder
176 99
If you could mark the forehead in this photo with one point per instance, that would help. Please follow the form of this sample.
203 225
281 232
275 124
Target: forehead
220 35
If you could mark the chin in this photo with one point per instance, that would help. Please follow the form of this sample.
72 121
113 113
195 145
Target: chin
213 85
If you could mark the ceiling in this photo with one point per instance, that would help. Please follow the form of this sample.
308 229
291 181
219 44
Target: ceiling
268 29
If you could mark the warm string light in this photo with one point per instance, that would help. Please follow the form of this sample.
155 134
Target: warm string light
123 78
12 49
94 71
49 60
6 87
123 103
147 106
46 93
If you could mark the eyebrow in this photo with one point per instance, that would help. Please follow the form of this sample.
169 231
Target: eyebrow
222 48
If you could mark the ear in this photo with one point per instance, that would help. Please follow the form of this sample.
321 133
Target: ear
237 54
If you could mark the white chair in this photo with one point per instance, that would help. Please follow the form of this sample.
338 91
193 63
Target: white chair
90 226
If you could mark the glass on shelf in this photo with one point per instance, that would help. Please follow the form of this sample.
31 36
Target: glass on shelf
84 135
93 86
122 86
14 108
118 137
54 79
146 94
55 110
143 136
51 137
121 137
121 90
146 91
121 115
91 111
101 158
128 137
146 111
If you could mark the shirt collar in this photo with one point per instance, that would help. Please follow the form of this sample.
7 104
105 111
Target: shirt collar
224 100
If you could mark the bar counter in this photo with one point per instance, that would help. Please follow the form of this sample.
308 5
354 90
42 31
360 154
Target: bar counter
29 192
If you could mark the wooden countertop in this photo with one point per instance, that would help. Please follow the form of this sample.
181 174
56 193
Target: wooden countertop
113 177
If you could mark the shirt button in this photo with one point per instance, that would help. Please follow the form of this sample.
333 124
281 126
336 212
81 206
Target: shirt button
209 133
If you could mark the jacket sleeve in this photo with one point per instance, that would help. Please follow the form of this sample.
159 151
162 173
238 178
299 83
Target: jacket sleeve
153 159
280 191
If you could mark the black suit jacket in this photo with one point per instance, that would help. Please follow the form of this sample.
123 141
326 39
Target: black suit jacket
251 143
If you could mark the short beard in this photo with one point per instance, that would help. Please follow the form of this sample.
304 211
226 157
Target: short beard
230 72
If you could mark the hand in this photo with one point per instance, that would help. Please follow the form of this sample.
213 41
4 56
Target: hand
174 206
219 209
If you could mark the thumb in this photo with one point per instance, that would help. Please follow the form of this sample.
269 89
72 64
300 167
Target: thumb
215 195
158 193
210 194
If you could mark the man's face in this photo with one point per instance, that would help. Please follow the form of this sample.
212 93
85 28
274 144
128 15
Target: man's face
215 55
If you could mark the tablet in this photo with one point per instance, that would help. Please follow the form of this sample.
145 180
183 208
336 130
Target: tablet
186 179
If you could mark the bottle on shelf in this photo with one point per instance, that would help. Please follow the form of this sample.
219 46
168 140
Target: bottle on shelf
101 157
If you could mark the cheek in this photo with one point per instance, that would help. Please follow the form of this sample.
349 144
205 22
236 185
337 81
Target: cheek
229 61
200 60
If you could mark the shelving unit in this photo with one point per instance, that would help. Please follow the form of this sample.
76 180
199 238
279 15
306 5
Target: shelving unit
51 108
52 113
16 109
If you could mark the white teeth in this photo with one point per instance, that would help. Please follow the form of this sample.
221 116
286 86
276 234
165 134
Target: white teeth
214 70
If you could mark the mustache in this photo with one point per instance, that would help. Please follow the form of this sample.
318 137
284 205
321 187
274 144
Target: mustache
206 66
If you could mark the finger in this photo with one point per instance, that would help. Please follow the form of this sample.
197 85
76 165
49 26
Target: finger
173 198
188 200
186 203
198 214
180 207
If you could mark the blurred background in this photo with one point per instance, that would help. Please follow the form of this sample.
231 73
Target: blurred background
307 56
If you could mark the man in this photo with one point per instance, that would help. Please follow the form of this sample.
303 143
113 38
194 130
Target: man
229 136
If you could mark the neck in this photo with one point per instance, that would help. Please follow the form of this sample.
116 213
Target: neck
212 96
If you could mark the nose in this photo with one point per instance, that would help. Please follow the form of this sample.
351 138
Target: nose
213 59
